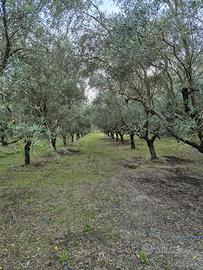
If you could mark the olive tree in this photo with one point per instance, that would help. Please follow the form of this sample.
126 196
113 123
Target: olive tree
153 51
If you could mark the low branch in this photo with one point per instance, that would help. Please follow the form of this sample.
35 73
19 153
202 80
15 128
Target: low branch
179 138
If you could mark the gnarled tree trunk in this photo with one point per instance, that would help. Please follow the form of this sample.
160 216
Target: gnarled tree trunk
72 137
121 136
150 144
77 136
27 151
132 140
185 93
64 135
3 140
53 140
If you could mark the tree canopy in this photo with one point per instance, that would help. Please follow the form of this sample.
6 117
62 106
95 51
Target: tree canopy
144 61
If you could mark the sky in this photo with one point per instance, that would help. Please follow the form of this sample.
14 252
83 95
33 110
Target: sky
109 6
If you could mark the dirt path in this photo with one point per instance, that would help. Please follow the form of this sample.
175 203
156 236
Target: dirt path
157 222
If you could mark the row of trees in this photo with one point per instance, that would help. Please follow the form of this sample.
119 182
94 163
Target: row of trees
147 62
41 87
118 117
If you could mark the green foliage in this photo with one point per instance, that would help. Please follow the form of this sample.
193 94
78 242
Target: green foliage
145 59
87 228
139 61
63 257
143 258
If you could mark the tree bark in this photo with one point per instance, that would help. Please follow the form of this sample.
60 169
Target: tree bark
150 144
7 49
77 136
121 136
132 140
112 135
53 141
116 136
3 140
64 139
27 152
72 137
185 94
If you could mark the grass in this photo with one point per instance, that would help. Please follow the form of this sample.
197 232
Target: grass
95 161
63 257
44 202
92 162
143 258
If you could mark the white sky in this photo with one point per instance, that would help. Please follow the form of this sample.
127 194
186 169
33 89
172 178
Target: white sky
109 6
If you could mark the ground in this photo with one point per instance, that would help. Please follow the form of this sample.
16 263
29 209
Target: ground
99 205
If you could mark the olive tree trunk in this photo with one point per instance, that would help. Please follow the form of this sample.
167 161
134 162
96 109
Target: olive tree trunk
77 136
3 140
27 151
72 137
64 135
121 136
152 151
53 141
132 140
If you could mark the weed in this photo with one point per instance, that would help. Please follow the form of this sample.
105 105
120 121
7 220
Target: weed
87 228
143 258
63 257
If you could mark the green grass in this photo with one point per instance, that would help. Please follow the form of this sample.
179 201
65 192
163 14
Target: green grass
63 257
96 160
56 198
143 258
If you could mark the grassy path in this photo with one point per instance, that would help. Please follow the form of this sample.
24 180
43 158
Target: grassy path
94 160
102 206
